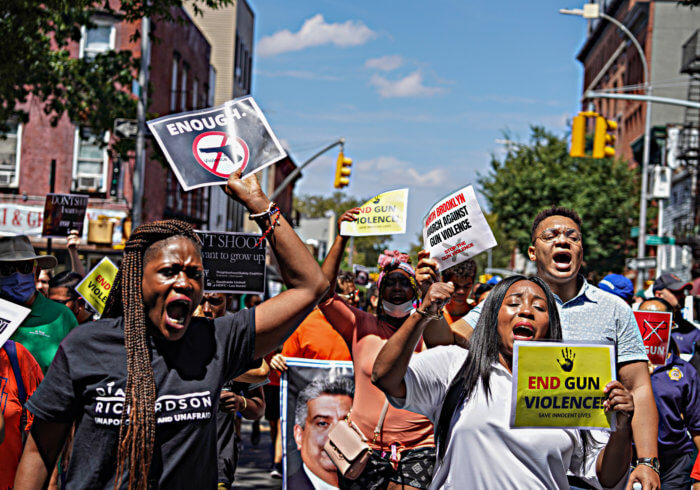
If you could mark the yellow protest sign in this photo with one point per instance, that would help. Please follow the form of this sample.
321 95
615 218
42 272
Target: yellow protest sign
95 287
384 214
561 384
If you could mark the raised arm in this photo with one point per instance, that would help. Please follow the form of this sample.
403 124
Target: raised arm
276 318
392 362
76 264
332 262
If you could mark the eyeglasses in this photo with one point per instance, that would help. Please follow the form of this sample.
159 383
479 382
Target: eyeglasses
552 234
212 300
23 267
63 301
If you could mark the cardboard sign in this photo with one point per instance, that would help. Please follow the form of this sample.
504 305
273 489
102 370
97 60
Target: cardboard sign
306 379
62 213
11 317
205 146
233 262
655 327
561 385
95 287
455 229
384 214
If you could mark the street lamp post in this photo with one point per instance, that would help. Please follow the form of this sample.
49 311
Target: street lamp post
592 11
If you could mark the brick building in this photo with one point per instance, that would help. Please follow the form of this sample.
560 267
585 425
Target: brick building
180 80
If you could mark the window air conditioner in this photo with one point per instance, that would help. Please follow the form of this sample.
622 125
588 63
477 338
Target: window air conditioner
88 182
7 178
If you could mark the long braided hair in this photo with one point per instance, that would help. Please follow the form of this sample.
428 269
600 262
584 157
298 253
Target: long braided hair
136 438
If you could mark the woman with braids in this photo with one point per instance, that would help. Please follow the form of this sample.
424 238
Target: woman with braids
467 394
142 384
404 449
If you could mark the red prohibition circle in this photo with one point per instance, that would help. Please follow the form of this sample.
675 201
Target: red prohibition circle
214 169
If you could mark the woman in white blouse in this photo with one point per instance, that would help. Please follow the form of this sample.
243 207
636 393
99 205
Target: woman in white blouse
467 395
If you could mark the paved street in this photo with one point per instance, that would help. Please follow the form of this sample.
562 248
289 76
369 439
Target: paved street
254 464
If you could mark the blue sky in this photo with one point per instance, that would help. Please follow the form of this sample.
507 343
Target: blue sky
420 90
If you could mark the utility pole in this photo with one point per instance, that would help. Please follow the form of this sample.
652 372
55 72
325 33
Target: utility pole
142 105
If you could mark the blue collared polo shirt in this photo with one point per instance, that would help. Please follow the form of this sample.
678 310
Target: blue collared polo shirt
595 315
676 388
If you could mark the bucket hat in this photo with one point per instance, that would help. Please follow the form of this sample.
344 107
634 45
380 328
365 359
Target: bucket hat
16 248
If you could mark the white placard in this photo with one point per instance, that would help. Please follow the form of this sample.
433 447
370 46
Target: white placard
11 317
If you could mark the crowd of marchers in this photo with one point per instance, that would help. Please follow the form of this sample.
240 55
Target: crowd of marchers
152 393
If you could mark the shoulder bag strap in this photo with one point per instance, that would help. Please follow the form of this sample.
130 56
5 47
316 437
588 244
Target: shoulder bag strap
11 350
380 422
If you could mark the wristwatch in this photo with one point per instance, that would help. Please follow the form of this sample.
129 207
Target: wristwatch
652 463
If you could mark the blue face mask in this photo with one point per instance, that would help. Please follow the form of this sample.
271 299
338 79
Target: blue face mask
17 287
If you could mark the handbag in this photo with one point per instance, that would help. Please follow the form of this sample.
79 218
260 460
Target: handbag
348 448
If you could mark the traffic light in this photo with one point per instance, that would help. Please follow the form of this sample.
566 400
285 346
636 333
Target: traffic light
578 136
604 138
342 171
114 181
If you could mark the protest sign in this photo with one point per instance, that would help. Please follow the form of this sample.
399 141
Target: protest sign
205 146
384 214
455 229
62 213
561 384
11 317
233 262
308 413
95 287
655 327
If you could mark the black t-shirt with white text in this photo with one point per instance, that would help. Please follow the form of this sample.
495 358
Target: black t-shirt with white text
86 381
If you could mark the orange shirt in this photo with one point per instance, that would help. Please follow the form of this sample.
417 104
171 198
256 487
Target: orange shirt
11 448
316 339
366 335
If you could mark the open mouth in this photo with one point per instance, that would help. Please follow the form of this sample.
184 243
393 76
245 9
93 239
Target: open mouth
523 331
562 260
177 311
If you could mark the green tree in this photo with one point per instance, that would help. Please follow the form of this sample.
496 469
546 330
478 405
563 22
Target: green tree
36 63
537 175
367 249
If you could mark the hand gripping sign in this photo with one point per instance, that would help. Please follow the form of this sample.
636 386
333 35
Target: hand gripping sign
205 146
384 214
95 287
561 384
655 327
455 229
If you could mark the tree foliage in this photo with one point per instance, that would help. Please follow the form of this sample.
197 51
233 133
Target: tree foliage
36 61
366 249
540 174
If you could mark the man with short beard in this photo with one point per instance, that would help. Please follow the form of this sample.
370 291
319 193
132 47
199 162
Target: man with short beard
589 314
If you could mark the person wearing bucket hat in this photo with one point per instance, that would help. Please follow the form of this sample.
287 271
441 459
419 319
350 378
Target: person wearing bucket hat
619 286
48 322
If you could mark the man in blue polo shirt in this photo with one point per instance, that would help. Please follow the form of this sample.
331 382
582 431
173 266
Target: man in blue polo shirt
587 313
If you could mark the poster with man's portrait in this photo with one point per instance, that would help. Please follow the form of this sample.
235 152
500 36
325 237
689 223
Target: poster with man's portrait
316 395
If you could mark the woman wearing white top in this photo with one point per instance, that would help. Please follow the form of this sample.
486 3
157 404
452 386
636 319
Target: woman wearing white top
467 395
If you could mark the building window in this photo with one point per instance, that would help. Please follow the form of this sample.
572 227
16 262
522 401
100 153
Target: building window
195 93
10 147
90 161
211 89
173 82
97 39
183 87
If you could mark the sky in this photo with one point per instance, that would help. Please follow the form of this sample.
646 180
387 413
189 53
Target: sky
421 91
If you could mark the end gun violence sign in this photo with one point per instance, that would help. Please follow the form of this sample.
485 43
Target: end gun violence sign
95 287
233 262
559 384
62 213
384 214
204 147
655 327
455 229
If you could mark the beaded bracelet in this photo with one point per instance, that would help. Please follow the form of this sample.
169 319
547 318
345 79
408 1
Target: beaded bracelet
268 212
427 314
273 222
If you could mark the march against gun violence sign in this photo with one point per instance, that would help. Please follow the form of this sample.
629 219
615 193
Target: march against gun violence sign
233 262
561 384
384 214
455 229
204 147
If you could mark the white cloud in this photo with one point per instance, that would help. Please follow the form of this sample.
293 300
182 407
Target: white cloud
385 63
408 86
315 32
390 169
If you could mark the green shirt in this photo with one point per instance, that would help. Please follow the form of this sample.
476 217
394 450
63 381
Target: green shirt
44 329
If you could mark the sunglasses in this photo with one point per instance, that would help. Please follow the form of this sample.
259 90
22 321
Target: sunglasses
212 300
9 268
